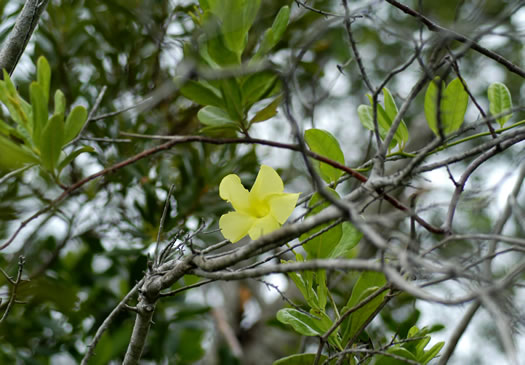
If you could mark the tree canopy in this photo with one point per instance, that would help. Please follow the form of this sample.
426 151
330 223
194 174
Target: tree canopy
261 181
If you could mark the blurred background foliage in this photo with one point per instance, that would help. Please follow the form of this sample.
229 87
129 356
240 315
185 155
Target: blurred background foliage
82 260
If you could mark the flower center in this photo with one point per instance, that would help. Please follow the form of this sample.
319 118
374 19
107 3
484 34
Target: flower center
260 209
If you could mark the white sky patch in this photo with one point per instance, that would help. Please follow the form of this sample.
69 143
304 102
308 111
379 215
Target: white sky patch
214 296
269 294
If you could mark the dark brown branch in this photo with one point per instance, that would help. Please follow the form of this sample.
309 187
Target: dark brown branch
434 27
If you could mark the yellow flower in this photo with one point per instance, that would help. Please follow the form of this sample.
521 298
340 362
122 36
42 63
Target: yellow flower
258 211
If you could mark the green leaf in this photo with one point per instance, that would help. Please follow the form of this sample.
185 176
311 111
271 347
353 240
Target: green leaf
217 51
267 112
396 350
322 290
74 123
454 101
301 359
39 105
454 105
257 87
301 322
366 116
274 34
280 24
215 117
322 245
432 353
44 77
324 144
385 122
349 239
366 285
69 158
52 141
7 130
237 17
18 109
401 134
60 103
500 101
13 156
11 88
232 96
201 93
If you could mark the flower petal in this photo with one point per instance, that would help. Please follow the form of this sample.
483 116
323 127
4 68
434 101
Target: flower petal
267 182
263 226
282 205
232 190
235 226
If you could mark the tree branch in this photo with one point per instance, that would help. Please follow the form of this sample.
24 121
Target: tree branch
16 42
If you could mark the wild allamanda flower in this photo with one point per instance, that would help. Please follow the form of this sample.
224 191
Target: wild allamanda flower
259 211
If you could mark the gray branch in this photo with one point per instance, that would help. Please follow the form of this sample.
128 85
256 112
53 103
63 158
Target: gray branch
19 36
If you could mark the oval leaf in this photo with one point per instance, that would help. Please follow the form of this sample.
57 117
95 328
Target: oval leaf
324 144
301 359
301 322
500 101
267 112
454 105
39 106
214 117
74 123
69 158
13 156
202 94
60 103
44 77
52 141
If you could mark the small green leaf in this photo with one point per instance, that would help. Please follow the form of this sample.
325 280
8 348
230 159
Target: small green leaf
280 23
237 17
453 105
257 87
500 101
60 103
430 106
432 353
217 51
349 239
366 116
39 105
321 246
385 122
396 350
201 93
44 77
401 134
302 359
301 322
6 129
11 88
267 112
74 123
232 96
69 158
13 156
215 117
366 285
52 141
17 110
274 34
324 144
